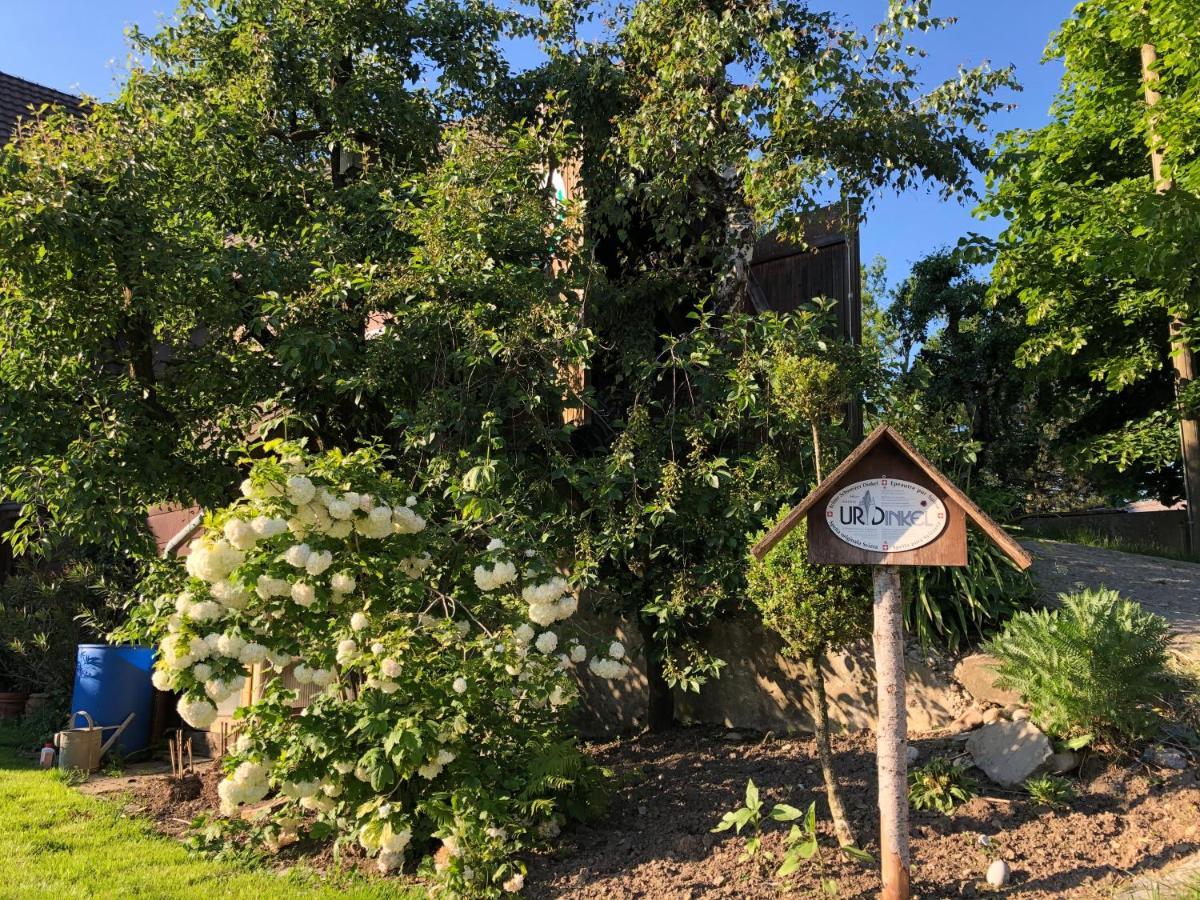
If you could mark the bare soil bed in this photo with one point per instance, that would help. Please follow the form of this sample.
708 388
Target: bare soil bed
655 839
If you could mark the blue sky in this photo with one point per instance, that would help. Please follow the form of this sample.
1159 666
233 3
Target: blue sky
79 46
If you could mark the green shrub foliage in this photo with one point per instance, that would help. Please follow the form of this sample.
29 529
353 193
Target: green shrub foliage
810 607
1093 666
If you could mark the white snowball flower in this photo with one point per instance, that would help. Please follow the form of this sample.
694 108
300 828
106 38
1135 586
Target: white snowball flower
616 650
230 645
240 534
390 667
323 677
397 841
547 642
340 529
197 713
608 668
578 653
514 884
302 674
340 509
202 671
211 560
347 650
267 527
495 544
303 593
247 488
162 679
267 587
218 689
343 583
318 562
252 654
489 579
280 660
359 621
405 521
300 490
524 633
297 555
460 685
205 611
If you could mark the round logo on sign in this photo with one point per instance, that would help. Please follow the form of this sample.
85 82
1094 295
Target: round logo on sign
886 515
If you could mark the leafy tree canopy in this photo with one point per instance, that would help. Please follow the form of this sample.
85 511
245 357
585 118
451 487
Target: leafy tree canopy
333 222
1101 262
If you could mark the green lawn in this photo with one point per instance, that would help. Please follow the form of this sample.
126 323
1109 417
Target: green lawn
58 843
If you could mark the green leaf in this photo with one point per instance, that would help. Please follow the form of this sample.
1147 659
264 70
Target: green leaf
752 800
785 813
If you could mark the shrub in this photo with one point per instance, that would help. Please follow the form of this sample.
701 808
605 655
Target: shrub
45 612
1093 666
940 785
811 607
440 723
953 606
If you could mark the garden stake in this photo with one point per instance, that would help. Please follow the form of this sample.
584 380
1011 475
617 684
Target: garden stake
886 506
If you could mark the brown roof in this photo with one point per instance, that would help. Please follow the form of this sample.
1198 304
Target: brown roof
17 96
998 535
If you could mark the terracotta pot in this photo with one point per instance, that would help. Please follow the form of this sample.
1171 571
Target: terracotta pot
36 701
12 705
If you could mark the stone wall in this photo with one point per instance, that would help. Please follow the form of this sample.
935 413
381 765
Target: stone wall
760 689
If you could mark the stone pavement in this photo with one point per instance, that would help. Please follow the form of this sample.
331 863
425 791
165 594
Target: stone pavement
1164 586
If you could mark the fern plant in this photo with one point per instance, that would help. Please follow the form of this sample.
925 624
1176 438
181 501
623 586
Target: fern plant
1093 667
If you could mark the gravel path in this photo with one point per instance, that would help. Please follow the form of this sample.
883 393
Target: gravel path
1164 586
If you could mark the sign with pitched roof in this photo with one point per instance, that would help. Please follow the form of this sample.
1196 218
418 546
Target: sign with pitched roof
886 504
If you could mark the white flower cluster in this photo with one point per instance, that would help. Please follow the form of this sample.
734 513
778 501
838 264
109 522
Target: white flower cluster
197 713
613 667
433 768
211 560
549 602
247 784
547 642
496 577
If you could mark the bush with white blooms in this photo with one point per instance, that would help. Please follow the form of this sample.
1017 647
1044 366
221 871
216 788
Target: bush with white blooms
436 736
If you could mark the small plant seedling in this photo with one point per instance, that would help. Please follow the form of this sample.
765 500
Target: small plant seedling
800 844
941 786
1049 790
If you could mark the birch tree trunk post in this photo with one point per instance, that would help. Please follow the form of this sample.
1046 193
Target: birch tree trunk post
892 733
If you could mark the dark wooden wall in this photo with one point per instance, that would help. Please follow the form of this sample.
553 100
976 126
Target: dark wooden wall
786 275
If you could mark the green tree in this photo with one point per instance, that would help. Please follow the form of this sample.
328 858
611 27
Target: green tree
1102 261
814 609
335 223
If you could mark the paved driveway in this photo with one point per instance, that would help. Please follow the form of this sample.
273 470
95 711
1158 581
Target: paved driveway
1164 586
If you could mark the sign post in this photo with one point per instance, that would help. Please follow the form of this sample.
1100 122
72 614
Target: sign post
887 506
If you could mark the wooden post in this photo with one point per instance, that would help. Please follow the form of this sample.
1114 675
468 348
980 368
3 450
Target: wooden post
892 732
1181 353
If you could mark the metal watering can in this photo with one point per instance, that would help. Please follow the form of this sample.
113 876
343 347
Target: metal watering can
80 748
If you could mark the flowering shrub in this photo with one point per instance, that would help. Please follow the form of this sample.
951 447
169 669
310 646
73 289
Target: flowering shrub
438 730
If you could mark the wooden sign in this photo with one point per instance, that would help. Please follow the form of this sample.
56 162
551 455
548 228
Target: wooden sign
887 506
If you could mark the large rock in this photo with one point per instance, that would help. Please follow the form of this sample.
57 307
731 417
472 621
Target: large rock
1009 752
977 673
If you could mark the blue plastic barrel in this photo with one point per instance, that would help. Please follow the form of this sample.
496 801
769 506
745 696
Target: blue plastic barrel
110 683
